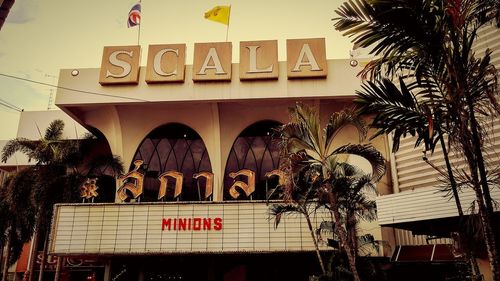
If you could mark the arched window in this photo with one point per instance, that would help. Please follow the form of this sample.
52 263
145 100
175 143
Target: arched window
173 147
254 150
97 165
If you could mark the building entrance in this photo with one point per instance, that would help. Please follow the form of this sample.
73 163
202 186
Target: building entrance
237 267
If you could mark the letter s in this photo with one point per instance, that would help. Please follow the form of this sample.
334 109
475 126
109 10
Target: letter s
113 59
217 224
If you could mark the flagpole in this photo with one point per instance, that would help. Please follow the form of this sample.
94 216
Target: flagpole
140 23
228 22
139 34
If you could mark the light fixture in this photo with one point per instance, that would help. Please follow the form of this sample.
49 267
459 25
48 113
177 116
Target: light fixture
353 63
75 72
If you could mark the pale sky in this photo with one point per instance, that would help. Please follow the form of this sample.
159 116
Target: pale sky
40 38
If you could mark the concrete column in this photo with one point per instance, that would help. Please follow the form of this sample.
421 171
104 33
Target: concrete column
107 271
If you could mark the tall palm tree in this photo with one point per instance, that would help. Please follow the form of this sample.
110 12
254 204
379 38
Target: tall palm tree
299 196
356 194
398 112
60 168
312 150
355 204
17 210
428 45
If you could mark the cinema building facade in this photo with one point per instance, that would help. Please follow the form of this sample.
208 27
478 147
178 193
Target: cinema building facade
197 143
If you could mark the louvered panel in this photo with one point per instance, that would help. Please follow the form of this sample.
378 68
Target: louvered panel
489 38
405 238
423 204
413 172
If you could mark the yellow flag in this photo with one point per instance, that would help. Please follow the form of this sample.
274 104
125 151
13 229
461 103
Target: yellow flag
219 14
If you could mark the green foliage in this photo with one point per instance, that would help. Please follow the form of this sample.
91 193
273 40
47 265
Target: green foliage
397 111
18 220
322 177
28 196
444 89
307 146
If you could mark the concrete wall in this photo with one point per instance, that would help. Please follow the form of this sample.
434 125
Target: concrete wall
84 89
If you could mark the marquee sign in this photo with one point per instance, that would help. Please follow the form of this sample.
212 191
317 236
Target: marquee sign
306 58
158 228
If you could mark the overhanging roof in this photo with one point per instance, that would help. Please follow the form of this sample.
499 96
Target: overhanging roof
5 6
425 253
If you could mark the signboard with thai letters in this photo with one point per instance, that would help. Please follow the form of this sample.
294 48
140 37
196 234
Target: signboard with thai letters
157 228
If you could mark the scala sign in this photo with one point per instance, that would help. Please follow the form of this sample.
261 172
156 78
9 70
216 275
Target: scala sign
212 61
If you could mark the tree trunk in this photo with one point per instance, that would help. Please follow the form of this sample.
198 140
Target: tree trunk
476 142
33 255
59 265
316 247
341 232
488 236
486 208
5 264
44 256
1 260
453 182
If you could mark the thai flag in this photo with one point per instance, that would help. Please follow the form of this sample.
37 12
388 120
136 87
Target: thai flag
134 16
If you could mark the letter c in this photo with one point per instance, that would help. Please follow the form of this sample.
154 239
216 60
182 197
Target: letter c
157 62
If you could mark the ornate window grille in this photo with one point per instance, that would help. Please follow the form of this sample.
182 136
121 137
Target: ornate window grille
173 147
254 149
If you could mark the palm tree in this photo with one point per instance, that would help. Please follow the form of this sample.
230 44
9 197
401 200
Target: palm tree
298 195
428 46
17 210
56 176
313 152
400 113
356 202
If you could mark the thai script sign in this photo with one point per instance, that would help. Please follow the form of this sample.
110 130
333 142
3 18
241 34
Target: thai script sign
132 183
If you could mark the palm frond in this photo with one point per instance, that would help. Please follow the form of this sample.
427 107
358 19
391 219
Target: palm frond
279 210
398 112
368 152
308 121
55 130
105 164
394 30
341 119
368 244
23 145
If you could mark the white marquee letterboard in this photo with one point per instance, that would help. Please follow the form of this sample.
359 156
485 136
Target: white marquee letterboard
155 228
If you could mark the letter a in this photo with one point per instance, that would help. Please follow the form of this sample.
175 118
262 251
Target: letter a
212 55
311 61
